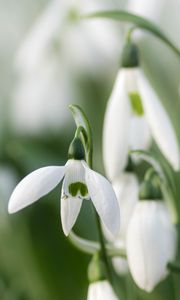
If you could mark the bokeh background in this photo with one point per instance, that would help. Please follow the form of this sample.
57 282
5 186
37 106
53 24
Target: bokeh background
48 60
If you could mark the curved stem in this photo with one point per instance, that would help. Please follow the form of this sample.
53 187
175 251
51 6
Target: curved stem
129 33
139 21
91 247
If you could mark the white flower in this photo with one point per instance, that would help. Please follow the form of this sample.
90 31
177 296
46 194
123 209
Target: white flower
126 188
151 243
80 182
134 114
101 290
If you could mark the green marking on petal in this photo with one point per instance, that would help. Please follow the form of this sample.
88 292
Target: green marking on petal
76 187
136 104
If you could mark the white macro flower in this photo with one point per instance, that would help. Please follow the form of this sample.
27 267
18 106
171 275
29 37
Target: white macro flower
101 290
135 114
80 182
151 243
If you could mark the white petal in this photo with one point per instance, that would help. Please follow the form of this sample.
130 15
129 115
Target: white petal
104 200
159 123
70 208
116 128
140 135
101 290
74 173
126 188
151 243
34 186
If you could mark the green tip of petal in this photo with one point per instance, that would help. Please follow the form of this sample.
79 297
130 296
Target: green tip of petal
78 187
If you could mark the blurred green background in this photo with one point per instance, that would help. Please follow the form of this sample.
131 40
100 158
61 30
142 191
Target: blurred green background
36 260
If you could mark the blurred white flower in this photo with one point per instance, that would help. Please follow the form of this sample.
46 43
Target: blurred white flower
126 188
101 290
151 243
120 264
80 41
53 54
41 98
134 114
79 183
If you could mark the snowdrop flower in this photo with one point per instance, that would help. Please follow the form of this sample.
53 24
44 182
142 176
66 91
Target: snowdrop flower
126 188
80 182
134 115
101 290
151 243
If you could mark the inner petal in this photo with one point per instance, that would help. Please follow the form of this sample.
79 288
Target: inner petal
74 184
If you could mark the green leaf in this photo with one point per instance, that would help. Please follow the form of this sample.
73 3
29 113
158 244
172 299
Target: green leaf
139 21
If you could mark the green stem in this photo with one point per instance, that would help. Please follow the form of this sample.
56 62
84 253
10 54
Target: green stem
103 247
91 247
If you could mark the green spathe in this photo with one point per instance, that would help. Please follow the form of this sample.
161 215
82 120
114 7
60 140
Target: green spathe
76 149
78 187
130 56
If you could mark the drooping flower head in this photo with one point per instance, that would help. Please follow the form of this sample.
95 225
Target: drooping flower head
133 117
151 238
79 182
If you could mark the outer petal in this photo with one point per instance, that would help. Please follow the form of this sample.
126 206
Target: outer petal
101 290
34 186
70 208
151 243
104 200
159 123
116 128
